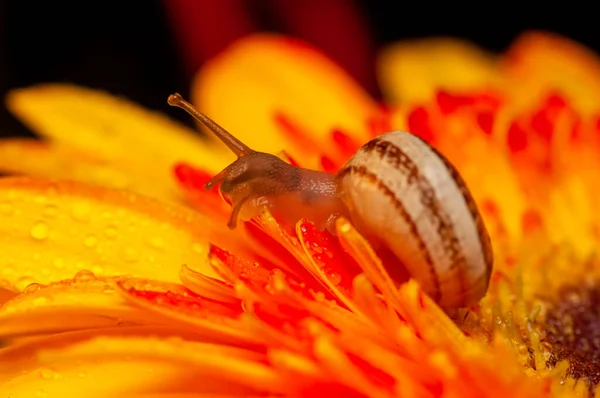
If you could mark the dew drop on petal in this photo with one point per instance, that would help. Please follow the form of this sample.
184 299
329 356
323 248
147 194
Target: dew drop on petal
110 232
90 241
130 255
319 296
198 248
97 269
334 277
270 288
23 282
40 231
80 211
84 276
51 211
156 242
523 350
47 373
58 263
32 287
40 394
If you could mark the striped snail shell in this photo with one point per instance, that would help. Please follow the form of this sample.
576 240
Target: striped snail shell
406 195
398 191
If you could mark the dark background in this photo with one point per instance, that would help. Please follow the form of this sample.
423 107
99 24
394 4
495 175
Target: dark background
128 48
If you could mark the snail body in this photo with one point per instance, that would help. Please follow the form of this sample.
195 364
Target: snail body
397 190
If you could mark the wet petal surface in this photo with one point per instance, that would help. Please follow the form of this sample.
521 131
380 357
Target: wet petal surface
52 230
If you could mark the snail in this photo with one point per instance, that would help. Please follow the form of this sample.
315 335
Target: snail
397 190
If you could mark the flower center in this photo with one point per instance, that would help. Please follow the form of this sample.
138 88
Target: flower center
573 330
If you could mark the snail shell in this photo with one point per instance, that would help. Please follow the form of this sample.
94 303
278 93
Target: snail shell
404 194
399 192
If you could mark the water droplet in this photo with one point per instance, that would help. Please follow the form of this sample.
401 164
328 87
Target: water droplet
319 296
198 248
84 276
523 349
130 255
80 211
334 277
97 269
110 232
51 211
40 231
32 287
6 209
269 288
40 394
58 263
90 241
156 242
82 374
317 249
23 282
48 373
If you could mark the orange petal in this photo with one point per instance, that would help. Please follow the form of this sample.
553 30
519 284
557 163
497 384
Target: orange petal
6 294
413 71
218 322
144 146
116 366
540 62
262 78
51 230
208 287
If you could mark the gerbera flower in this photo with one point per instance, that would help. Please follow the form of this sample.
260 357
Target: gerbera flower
119 281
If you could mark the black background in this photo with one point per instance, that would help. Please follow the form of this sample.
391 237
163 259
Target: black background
126 47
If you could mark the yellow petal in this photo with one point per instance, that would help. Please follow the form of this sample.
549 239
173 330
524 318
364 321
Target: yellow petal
82 303
14 355
52 230
540 61
142 145
255 78
413 71
113 366
59 162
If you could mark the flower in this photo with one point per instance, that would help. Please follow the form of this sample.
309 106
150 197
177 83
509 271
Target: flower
119 281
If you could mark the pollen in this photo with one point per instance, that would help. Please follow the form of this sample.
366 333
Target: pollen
573 331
